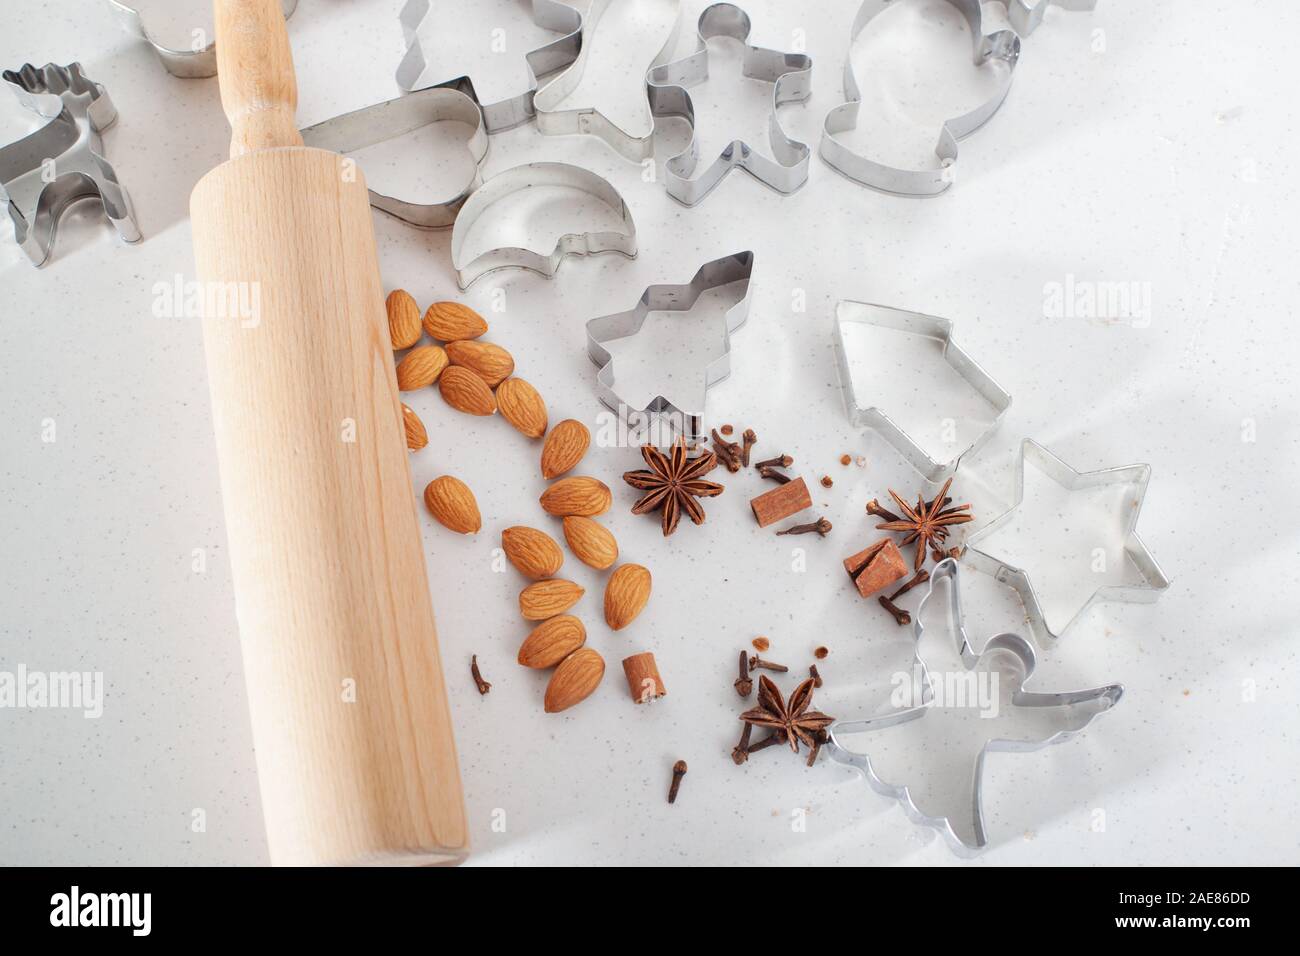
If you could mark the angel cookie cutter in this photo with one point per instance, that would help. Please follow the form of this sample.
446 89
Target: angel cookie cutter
1076 709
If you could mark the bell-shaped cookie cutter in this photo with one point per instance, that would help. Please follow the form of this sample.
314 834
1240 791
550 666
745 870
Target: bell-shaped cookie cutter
528 176
1103 698
384 121
791 77
553 119
188 64
1002 46
855 390
685 413
550 58
63 162
1154 580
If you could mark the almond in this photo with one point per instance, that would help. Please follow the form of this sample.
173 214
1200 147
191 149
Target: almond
564 448
420 367
576 677
403 319
451 322
590 542
576 496
491 362
552 641
626 594
522 407
416 436
466 392
533 552
546 599
452 503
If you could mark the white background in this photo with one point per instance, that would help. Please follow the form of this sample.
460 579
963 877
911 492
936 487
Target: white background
1143 142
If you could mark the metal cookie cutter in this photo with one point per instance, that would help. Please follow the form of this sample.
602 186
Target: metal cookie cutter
1154 581
1099 701
1027 15
557 55
687 411
45 172
188 64
854 390
634 144
384 121
529 176
791 77
1003 45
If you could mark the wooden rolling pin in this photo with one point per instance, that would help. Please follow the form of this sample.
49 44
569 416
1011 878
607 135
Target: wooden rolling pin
355 757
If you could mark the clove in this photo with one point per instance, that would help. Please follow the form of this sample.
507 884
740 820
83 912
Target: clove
740 753
743 684
750 440
771 740
821 526
728 452
757 662
901 616
679 771
769 472
483 686
780 461
874 509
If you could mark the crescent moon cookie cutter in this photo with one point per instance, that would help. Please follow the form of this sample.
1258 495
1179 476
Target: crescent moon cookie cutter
548 59
685 412
1153 580
517 180
384 121
63 162
188 64
553 119
969 840
1002 47
856 387
791 77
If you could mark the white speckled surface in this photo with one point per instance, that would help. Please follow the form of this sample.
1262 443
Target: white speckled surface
1137 145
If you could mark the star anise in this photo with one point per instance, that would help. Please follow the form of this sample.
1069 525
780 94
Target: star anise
926 524
673 484
794 720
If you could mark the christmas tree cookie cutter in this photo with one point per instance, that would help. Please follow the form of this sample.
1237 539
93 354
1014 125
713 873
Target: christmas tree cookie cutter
856 389
45 172
1003 46
791 77
1097 701
684 412
558 54
1154 581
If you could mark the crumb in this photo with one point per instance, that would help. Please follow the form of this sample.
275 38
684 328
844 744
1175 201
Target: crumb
1187 693
845 459
827 481
821 653
726 429
761 643
861 461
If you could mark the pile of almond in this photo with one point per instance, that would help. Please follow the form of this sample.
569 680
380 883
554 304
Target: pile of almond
472 376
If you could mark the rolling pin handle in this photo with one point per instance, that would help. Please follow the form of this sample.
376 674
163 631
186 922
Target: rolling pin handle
255 70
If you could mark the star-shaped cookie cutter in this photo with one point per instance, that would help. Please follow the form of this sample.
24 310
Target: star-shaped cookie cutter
384 121
1154 581
791 77
63 162
188 64
553 119
1101 698
687 413
559 54
1004 46
854 390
